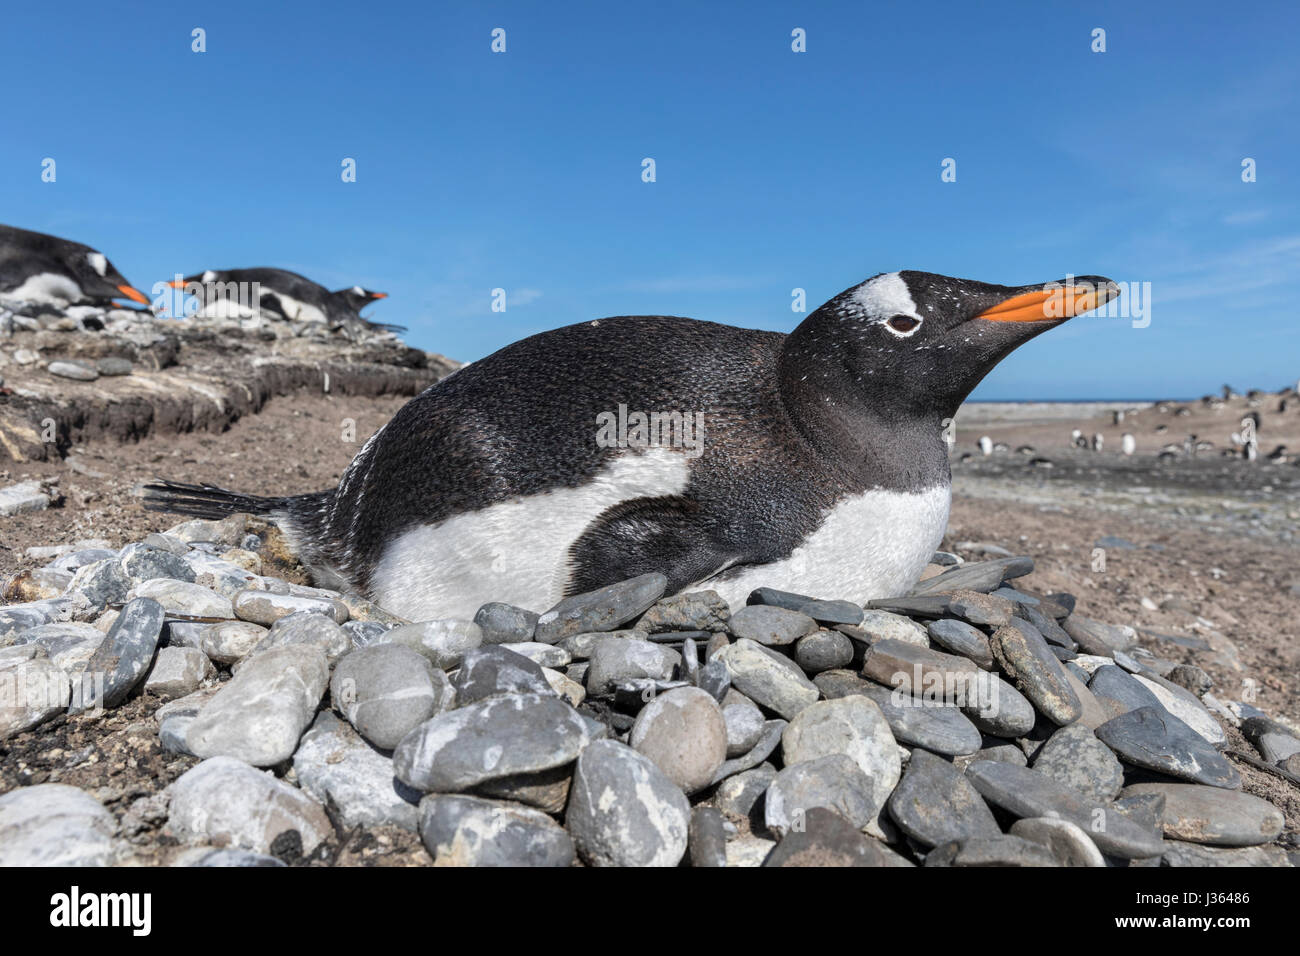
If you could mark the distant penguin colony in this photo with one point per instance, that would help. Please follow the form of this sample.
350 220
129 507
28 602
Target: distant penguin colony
819 462
224 294
44 269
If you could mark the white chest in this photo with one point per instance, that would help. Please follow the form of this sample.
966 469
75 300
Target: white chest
872 545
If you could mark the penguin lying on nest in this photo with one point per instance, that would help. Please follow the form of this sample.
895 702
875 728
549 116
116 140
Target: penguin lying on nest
35 267
813 462
294 298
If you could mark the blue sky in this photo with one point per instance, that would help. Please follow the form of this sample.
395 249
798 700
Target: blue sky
775 169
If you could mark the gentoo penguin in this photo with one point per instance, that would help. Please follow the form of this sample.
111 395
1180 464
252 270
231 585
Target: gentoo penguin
35 267
723 457
227 293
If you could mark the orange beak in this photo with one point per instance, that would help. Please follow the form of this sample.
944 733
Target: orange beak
379 295
135 295
1050 304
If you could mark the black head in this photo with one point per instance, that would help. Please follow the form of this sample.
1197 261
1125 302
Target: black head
915 344
98 278
357 298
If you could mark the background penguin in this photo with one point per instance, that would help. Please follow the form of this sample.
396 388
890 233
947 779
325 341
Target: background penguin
288 295
823 467
35 267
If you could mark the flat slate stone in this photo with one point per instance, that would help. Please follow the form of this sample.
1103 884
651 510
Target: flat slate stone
505 623
494 738
934 804
962 639
767 678
706 842
493 670
470 831
834 781
623 811
1183 705
979 608
1027 793
1157 740
1200 814
121 660
1024 657
770 626
920 605
1116 684
1096 637
601 610
1193 854
1077 759
1002 711
1064 840
877 625
1003 850
982 576
919 671
828 839
941 728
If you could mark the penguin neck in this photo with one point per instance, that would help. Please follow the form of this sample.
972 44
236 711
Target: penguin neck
876 433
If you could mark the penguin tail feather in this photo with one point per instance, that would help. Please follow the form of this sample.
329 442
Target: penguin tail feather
204 501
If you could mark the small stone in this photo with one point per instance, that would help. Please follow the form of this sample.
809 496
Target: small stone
1002 850
834 781
623 811
600 610
855 727
230 641
259 715
182 597
768 679
1157 740
1075 757
493 670
885 626
1213 815
935 804
36 584
1028 793
1068 843
490 739
919 671
616 660
939 728
692 611
829 840
72 370
744 723
1186 708
121 660
26 496
471 831
770 626
505 623
52 824
748 851
739 796
833 612
32 691
1000 710
1098 638
1121 689
580 646
547 655
823 651
177 671
1023 656
340 770
707 838
310 629
385 691
981 608
264 607
977 576
962 639
225 802
142 564
112 365
444 643
1274 741
767 743
1191 678
570 690
684 733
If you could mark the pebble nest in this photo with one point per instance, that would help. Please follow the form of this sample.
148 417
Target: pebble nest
169 703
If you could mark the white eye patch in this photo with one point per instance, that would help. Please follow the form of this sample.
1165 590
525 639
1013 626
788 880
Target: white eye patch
885 299
98 262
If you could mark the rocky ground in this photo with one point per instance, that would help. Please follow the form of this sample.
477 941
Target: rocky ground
176 694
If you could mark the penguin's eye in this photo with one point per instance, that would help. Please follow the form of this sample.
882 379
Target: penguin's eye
903 323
